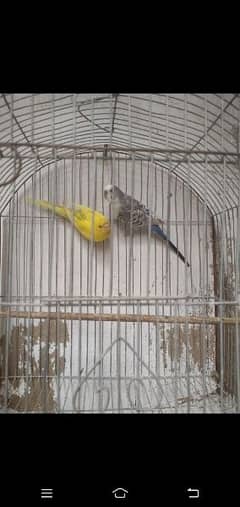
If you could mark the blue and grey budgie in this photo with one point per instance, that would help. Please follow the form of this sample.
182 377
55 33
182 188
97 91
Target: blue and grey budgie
130 211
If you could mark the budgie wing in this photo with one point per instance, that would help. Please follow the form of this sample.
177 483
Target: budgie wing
132 211
79 220
84 213
140 213
83 219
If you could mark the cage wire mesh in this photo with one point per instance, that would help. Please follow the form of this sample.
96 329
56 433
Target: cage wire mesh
121 325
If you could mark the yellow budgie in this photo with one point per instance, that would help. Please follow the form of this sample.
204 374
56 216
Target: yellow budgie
82 218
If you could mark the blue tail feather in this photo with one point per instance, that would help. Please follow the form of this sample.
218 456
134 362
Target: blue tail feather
157 230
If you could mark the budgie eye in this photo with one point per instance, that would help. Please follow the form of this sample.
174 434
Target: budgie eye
108 193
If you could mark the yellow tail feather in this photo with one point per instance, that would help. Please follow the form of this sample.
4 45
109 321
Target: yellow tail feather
59 210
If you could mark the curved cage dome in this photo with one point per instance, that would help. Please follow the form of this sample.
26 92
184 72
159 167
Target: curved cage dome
179 129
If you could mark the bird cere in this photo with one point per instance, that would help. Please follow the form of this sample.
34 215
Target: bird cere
134 214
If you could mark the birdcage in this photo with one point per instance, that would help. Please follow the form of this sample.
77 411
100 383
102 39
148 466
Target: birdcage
121 325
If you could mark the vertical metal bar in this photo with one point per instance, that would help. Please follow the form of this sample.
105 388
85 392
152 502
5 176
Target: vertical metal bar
1 252
149 195
138 401
24 263
149 233
176 356
55 193
186 288
191 239
73 200
96 250
118 362
130 256
92 201
65 258
50 221
10 264
221 281
8 322
125 257
168 263
80 237
96 350
112 387
58 361
80 353
188 185
237 260
199 229
101 369
148 253
93 206
168 273
112 236
167 122
32 263
185 116
163 277
127 164
237 347
73 238
130 229
87 323
157 343
156 260
18 246
111 267
176 228
103 247
31 274
42 249
57 253
186 213
18 259
65 263
118 242
203 328
204 281
54 272
140 239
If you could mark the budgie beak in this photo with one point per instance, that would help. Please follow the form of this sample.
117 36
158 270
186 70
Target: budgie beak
106 227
